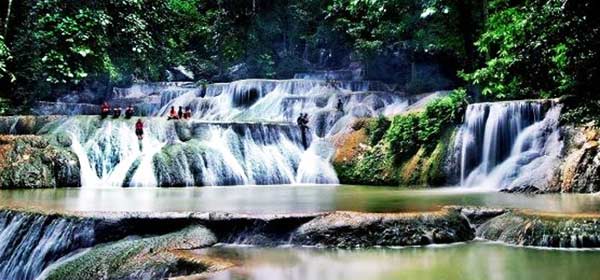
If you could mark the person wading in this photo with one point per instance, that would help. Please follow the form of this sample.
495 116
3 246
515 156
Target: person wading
139 131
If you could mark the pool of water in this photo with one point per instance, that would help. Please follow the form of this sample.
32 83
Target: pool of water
287 199
474 260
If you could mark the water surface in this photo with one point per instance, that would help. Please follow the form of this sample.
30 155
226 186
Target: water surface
287 199
474 260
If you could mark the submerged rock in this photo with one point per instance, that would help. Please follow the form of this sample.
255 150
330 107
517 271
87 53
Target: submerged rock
523 189
350 229
146 258
545 230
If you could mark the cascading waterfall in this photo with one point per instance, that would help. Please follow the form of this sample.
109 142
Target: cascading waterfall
242 132
509 144
30 242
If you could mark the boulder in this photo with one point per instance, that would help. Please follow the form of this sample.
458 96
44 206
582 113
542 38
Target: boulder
179 73
352 229
147 258
33 162
545 230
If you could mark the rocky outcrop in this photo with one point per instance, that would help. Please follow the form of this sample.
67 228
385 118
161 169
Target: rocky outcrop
544 230
25 125
146 258
37 162
580 171
358 162
350 230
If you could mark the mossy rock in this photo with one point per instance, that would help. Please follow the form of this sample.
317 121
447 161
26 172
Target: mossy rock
147 258
33 162
545 230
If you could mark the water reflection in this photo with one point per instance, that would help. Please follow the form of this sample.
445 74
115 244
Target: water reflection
288 199
475 260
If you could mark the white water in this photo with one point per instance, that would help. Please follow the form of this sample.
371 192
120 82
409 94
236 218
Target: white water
242 133
509 144
30 242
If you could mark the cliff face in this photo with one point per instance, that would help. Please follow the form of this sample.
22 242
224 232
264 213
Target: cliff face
580 170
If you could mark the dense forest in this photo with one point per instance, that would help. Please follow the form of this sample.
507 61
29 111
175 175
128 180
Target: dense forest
496 49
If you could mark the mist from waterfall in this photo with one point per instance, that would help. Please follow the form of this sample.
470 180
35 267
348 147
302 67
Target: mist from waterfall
509 144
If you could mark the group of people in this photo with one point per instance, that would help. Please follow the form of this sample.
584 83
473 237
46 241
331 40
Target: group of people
180 114
105 111
116 112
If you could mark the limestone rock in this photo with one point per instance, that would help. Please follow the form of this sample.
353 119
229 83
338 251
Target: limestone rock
350 229
146 258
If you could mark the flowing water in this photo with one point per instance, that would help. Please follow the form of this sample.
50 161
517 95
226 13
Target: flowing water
509 144
29 242
241 133
473 260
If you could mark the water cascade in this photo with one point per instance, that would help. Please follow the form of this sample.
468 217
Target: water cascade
243 132
30 242
509 144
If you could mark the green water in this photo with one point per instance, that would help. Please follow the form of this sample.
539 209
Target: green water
288 199
475 260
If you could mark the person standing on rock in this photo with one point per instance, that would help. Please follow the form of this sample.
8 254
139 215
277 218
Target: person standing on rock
340 105
139 129
302 122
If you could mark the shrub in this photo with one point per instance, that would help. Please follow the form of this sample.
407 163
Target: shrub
377 128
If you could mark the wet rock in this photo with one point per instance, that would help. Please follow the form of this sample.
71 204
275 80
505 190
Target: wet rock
580 171
545 230
479 215
523 189
179 73
146 258
33 162
350 229
184 131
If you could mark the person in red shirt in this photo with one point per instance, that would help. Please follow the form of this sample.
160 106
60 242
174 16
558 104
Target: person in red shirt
139 129
173 114
104 110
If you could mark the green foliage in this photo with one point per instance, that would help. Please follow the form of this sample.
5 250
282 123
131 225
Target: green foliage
377 128
408 133
538 49
403 135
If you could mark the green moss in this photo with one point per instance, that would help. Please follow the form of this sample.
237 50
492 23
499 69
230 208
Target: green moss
147 258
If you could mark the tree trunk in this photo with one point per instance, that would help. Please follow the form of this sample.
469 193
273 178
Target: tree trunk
8 9
467 27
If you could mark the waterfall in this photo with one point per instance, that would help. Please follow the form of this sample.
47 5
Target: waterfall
242 132
509 144
30 242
